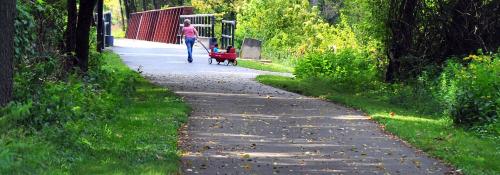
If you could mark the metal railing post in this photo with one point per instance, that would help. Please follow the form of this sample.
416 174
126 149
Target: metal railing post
213 26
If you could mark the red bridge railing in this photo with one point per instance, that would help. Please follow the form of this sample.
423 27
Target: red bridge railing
156 25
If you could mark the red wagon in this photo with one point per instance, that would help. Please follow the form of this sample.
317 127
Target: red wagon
228 57
222 57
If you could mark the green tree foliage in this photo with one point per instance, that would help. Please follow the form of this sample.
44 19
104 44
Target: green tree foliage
292 26
225 9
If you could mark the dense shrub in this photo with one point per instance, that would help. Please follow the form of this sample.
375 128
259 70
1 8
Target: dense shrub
347 68
471 93
60 112
39 28
468 91
58 101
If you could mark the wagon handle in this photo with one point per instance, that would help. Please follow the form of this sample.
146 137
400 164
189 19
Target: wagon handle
203 46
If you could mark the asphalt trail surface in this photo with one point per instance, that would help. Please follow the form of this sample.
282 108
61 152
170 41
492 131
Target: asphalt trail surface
239 126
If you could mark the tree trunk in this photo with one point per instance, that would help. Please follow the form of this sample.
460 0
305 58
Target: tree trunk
85 16
100 25
121 13
401 24
393 67
127 9
7 14
70 33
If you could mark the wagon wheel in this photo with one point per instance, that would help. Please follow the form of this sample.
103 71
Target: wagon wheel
235 63
226 62
209 60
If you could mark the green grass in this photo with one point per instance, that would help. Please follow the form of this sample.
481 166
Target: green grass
272 67
140 137
435 135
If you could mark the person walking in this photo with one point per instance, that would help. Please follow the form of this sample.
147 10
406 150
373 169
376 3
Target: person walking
191 35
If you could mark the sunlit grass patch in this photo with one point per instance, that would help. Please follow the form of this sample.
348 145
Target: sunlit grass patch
272 67
118 32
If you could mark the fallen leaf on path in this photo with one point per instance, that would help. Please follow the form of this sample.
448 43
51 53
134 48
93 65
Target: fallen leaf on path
417 163
245 156
247 166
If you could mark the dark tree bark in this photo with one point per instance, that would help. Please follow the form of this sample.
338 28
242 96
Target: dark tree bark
70 33
7 14
401 25
126 3
85 16
100 25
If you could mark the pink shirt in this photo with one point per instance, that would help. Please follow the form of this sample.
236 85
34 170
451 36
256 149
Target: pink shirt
189 32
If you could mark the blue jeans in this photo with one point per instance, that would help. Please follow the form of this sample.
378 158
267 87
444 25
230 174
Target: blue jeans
189 44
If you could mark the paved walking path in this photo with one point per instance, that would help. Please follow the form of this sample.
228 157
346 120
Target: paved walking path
239 126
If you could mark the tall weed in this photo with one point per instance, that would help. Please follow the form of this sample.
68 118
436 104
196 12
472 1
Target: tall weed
347 68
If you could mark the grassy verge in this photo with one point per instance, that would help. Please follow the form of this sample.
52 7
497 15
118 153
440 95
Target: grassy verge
435 135
142 139
272 67
138 134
